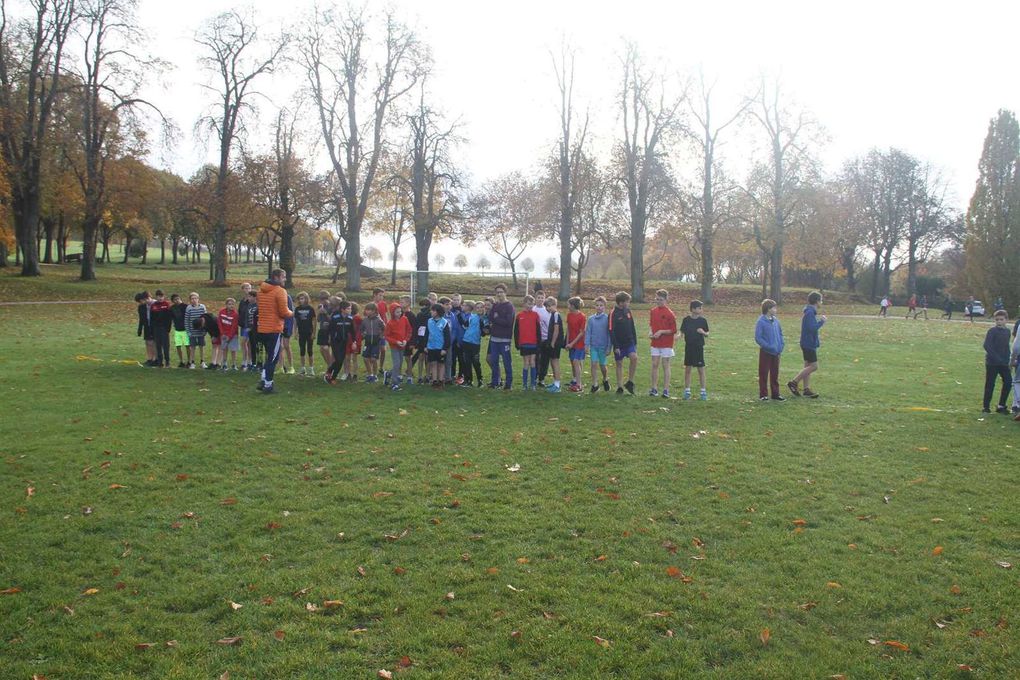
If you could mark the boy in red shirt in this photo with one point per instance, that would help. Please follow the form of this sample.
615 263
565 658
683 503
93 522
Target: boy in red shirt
576 322
527 335
229 322
398 336
662 322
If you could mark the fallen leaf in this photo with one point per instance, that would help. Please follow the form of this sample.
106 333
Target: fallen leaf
1005 565
405 662
10 591
181 477
86 511
311 606
279 635
955 589
399 571
833 584
1002 624
229 501
361 571
516 467
659 615
522 560
674 572
977 632
272 526
516 590
145 645
332 604
225 676
764 636
600 558
800 522
90 591
384 674
229 641
601 642
235 606
963 667
302 592
30 491
937 551
896 644
515 635
807 606
450 596
69 611
697 542
171 643
117 486
492 571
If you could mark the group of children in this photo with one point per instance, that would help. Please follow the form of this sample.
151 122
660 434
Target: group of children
441 342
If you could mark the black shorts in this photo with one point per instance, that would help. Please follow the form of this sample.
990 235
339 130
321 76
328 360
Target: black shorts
435 355
528 350
694 355
810 355
147 334
322 338
287 332
552 352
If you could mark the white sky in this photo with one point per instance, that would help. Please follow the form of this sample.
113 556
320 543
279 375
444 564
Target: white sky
923 76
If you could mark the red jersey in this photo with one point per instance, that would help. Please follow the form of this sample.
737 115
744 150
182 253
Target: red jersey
354 339
527 331
228 321
383 309
398 330
662 319
576 322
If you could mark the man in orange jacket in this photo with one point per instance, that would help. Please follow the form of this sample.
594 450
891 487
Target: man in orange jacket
273 310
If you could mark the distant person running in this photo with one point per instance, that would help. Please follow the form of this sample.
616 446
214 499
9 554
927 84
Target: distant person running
273 311
969 308
923 304
911 306
883 306
947 309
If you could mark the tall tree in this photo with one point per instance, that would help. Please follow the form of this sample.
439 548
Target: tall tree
355 82
111 77
993 216
31 70
650 120
504 214
788 166
714 185
570 150
236 57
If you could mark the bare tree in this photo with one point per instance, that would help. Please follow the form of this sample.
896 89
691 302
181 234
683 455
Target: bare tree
31 69
650 120
570 150
505 216
339 57
787 167
236 57
714 184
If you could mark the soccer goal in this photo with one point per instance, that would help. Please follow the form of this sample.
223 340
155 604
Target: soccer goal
473 284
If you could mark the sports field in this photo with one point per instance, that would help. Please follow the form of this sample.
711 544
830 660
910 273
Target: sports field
177 524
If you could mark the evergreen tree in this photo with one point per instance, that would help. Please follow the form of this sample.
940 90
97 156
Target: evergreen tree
993 218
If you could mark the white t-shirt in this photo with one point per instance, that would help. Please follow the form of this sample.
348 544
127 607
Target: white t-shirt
543 319
885 302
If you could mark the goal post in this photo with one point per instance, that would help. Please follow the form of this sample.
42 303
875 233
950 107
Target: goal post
470 284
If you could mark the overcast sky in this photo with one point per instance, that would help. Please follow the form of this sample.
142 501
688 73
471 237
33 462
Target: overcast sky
925 77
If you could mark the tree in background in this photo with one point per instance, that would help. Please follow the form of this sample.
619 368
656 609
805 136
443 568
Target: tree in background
993 217
552 266
439 259
355 83
236 57
31 73
503 214
651 119
483 263
528 265
570 150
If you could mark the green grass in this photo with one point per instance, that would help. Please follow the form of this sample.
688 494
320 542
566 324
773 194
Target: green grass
610 494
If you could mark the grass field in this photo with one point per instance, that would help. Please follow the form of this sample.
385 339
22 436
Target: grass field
342 531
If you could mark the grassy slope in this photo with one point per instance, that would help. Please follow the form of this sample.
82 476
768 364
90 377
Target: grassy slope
600 476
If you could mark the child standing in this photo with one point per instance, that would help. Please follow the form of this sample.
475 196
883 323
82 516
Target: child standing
161 320
769 336
501 331
662 327
575 341
997 358
242 317
542 358
322 336
555 342
178 310
421 339
383 310
254 353
353 345
471 344
341 327
810 324
145 327
624 338
599 343
437 345
694 328
372 331
288 331
527 334
304 319
207 323
196 336
398 335
229 323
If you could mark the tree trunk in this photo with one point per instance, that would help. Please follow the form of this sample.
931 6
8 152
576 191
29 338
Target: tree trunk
3 254
145 250
875 271
26 225
707 270
353 253
162 250
911 268
49 226
62 234
127 247
393 271
175 244
287 260
90 229
776 273
637 261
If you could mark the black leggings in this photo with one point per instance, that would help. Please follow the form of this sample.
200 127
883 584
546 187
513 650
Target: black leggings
305 343
469 360
991 373
254 345
339 350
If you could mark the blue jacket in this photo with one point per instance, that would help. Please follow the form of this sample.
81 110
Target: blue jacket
438 333
473 331
769 335
809 326
596 332
456 319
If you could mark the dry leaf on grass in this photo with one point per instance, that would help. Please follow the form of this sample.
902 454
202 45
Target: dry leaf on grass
765 635
117 486
279 635
235 606
10 591
229 641
1004 565
601 642
332 604
145 645
229 501
937 551
90 591
384 674
896 644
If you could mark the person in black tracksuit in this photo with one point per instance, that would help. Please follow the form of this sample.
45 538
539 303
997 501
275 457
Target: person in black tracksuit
420 338
145 327
161 319
178 309
997 358
341 329
252 319
304 319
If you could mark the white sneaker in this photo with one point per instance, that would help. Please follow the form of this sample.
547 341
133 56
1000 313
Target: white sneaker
205 365
311 371
192 365
291 371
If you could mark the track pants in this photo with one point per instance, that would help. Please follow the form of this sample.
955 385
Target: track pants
500 351
469 359
991 374
272 343
162 337
768 373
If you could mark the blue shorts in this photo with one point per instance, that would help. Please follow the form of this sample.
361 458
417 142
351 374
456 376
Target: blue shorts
621 353
371 351
244 332
577 355
598 356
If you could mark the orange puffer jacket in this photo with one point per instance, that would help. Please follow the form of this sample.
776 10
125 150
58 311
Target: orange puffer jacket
272 307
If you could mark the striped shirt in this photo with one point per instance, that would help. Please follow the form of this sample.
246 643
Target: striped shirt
190 314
